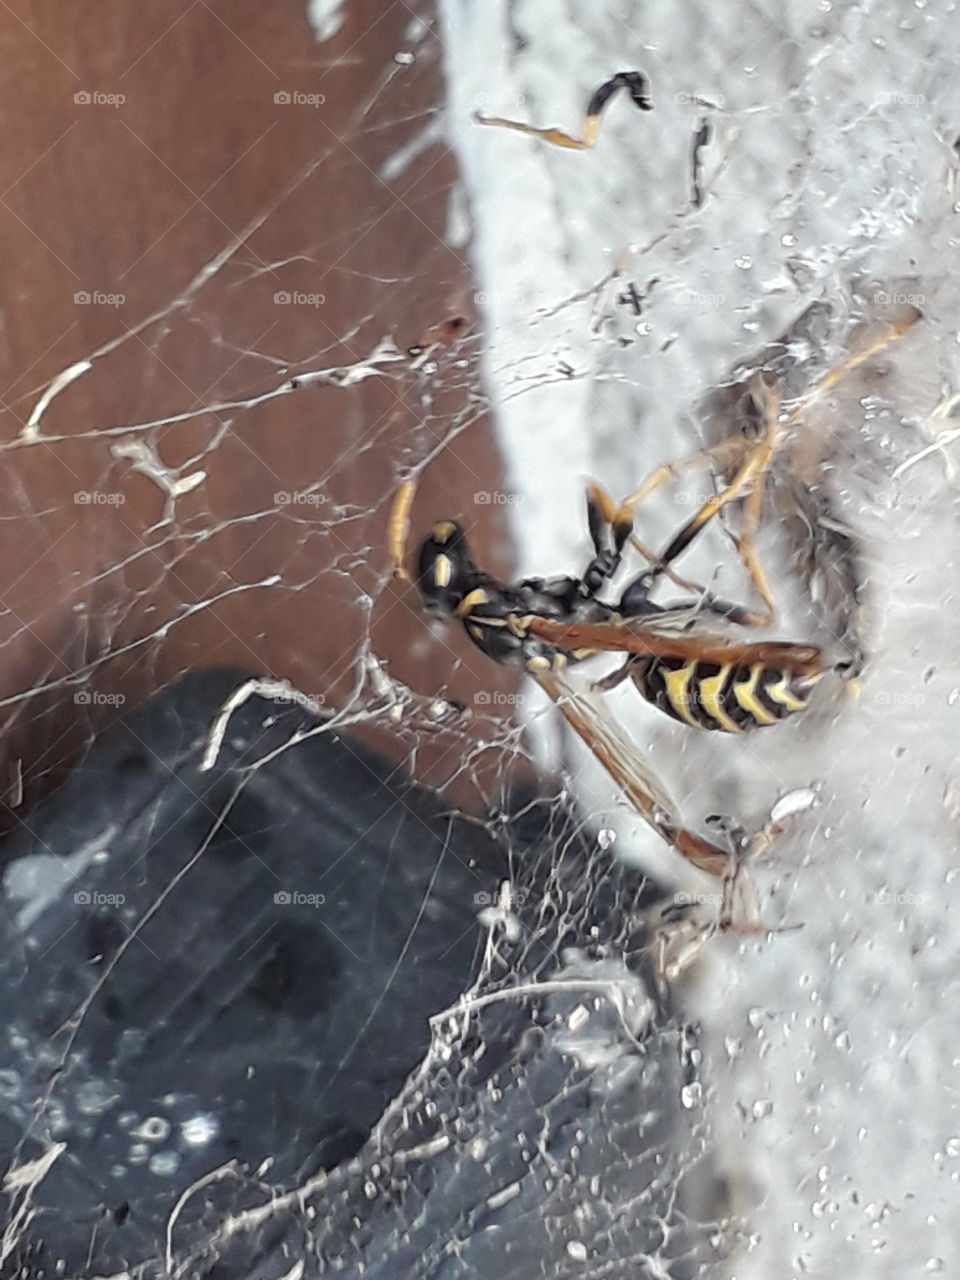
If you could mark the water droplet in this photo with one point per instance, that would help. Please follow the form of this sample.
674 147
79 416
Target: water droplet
93 1098
744 262
164 1163
606 838
690 1095
152 1129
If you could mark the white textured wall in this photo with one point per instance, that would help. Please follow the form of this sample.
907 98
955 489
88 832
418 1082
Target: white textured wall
833 1059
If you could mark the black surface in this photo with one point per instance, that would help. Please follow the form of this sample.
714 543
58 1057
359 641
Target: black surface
201 1000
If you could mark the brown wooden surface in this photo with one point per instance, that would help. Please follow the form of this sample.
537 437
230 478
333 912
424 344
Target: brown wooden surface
194 202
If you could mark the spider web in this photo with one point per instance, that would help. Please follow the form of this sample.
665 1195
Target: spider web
810 1127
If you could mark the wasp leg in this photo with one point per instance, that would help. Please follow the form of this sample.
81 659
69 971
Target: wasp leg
723 455
769 396
616 677
608 533
748 481
601 507
869 345
753 458
633 81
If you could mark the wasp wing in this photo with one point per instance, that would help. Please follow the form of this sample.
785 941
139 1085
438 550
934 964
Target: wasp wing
621 760
648 641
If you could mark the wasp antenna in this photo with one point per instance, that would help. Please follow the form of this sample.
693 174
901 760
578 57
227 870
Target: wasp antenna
398 528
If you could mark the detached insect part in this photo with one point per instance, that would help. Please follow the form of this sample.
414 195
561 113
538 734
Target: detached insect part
635 83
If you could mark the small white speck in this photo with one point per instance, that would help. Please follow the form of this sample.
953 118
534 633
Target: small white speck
199 1130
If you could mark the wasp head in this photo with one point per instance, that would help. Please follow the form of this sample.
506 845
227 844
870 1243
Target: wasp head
447 571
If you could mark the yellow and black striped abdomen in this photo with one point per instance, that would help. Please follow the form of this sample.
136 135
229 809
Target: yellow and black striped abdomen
732 698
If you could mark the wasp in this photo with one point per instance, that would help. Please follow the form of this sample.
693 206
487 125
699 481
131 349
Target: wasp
686 659
703 680
701 677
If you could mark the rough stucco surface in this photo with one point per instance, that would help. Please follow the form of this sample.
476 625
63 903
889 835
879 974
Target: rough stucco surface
832 1055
